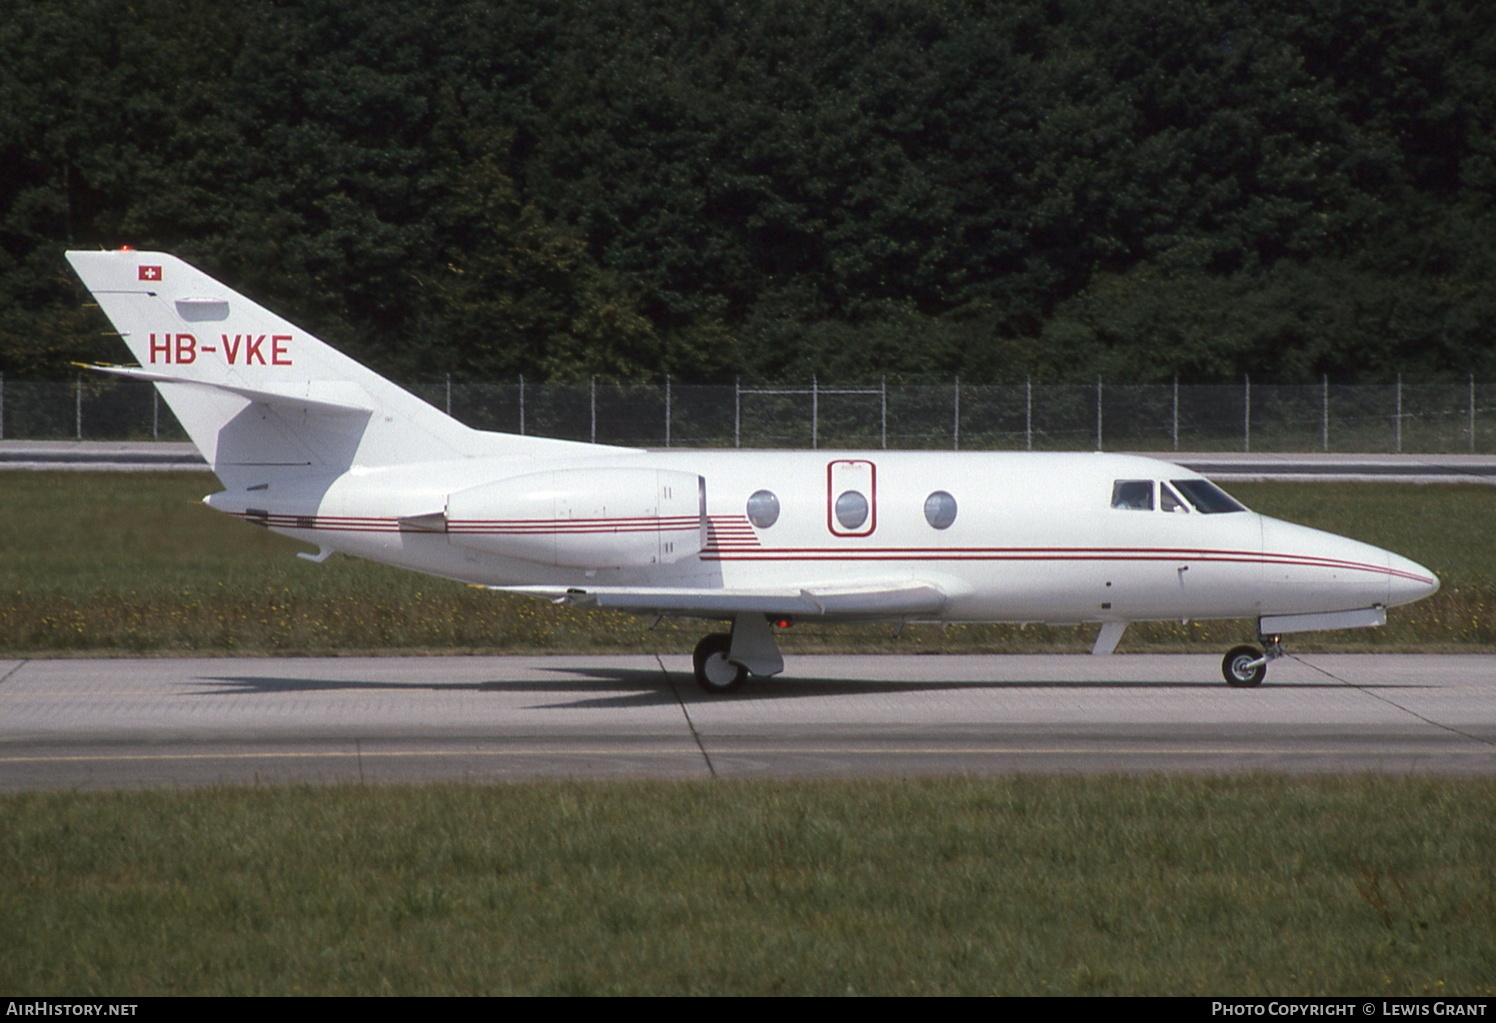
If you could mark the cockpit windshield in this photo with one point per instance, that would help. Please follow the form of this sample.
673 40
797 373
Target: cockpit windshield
1207 498
1170 501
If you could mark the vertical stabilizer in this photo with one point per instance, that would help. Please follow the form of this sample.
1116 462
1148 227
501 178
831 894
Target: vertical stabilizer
258 395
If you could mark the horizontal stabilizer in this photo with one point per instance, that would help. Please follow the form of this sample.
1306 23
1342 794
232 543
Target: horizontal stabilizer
891 600
336 397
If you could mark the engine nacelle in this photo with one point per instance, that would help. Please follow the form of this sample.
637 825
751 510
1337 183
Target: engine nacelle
584 518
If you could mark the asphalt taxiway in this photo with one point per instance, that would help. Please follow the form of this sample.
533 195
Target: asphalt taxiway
177 722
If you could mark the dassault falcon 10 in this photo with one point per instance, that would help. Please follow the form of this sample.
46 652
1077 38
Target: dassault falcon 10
311 444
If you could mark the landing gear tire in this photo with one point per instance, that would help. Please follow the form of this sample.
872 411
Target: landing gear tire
1237 667
714 672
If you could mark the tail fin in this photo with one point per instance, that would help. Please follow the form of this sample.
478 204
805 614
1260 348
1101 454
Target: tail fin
258 395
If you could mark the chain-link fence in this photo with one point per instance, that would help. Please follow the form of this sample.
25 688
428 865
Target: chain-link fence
1428 418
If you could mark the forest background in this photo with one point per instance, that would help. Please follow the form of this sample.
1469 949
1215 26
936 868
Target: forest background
1140 189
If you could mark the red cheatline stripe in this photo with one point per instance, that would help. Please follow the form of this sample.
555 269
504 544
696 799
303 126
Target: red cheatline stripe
615 518
501 527
599 531
730 533
1139 553
550 525
746 548
562 530
1040 554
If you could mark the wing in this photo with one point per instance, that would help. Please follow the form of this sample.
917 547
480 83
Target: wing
892 599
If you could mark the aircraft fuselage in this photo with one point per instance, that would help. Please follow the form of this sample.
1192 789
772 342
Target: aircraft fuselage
1034 537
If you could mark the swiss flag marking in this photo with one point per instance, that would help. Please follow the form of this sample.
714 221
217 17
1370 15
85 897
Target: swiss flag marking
150 273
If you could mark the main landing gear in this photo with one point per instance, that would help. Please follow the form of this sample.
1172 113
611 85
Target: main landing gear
723 661
714 672
1246 666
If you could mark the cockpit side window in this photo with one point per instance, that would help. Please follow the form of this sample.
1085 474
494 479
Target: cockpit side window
1207 498
1133 495
1169 501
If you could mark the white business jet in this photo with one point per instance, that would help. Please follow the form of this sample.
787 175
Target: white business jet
313 445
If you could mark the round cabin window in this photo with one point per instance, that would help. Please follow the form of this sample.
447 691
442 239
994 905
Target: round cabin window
851 509
940 509
763 509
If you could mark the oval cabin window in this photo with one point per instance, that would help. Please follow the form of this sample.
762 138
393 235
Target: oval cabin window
940 509
763 509
851 509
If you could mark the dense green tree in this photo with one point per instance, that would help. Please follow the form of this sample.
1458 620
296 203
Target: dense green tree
564 188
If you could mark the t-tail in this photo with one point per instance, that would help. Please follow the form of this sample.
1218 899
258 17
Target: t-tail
259 396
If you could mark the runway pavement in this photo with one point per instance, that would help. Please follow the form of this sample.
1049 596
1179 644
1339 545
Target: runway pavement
168 722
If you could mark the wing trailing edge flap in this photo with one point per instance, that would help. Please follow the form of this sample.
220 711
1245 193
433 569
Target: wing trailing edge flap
329 397
888 600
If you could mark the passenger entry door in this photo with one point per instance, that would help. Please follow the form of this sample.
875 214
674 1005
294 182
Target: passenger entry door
851 497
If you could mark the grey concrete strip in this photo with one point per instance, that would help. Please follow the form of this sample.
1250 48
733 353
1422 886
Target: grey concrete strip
103 723
126 456
1313 467
100 456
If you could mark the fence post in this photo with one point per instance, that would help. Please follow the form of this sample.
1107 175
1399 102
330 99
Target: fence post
521 404
155 413
815 413
883 412
956 415
1397 426
1324 418
1246 415
2 404
592 406
1098 414
737 412
449 394
78 405
1472 411
667 410
1028 413
1176 411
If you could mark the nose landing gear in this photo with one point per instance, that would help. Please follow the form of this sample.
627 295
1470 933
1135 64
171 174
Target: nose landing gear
1245 666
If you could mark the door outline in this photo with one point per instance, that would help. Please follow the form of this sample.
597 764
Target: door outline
851 474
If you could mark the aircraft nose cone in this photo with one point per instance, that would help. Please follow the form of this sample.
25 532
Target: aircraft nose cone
1408 581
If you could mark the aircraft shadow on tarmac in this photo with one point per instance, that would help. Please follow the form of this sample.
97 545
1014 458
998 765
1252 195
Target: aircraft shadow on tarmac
624 678
602 688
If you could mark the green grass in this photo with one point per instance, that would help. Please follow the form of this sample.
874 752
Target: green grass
133 563
1242 885
1234 885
